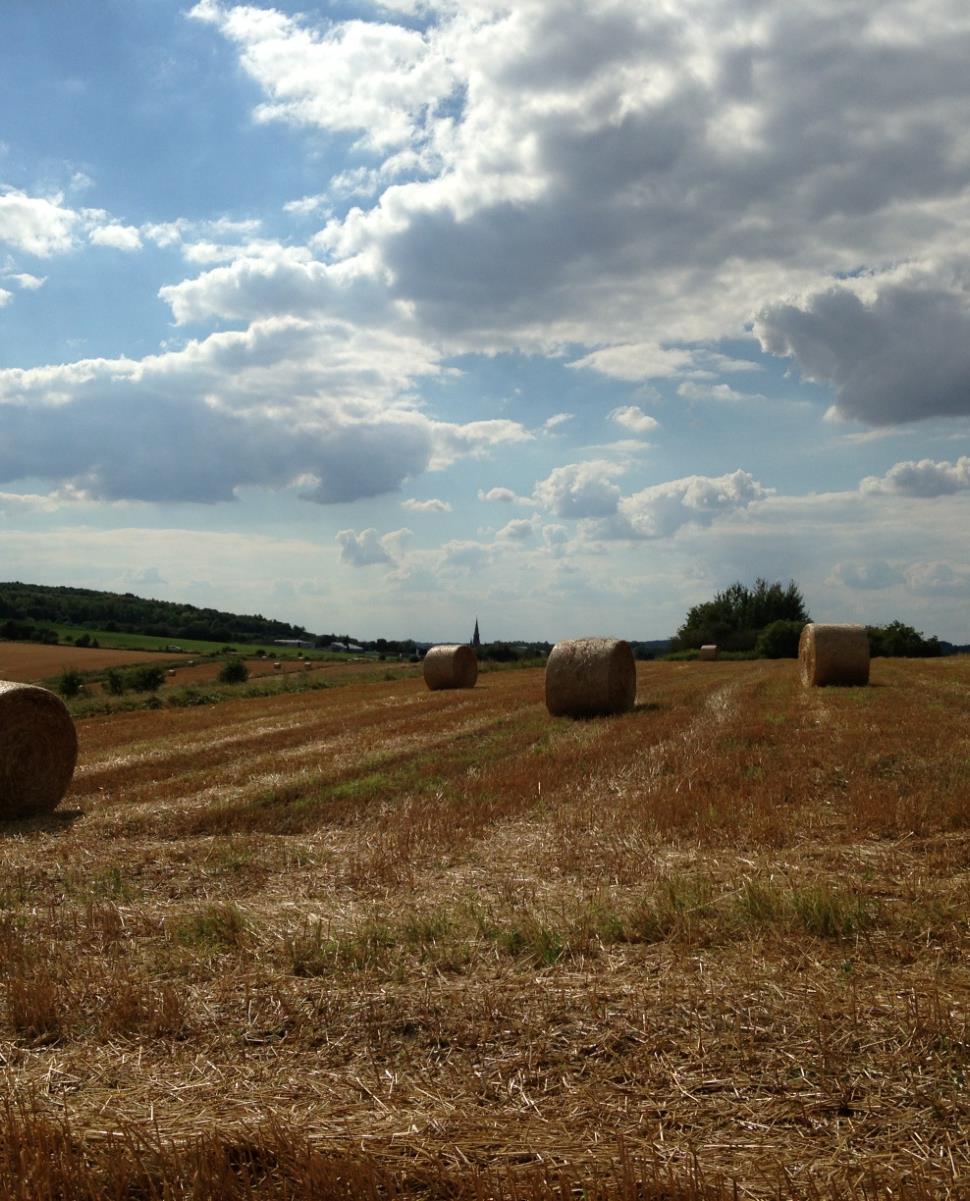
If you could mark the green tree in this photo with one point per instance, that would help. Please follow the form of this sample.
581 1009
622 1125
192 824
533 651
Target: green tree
71 683
779 640
146 679
897 640
735 617
234 671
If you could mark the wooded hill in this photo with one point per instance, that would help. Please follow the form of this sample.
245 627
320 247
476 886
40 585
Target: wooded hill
30 606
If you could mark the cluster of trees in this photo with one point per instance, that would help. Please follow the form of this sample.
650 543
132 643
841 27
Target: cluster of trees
736 617
33 605
767 619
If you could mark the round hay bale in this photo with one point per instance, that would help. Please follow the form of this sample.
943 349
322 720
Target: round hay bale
38 750
833 654
590 677
708 653
171 671
450 667
277 666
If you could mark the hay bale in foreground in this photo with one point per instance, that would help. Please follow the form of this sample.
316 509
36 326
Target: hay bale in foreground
708 653
450 667
833 654
590 677
38 750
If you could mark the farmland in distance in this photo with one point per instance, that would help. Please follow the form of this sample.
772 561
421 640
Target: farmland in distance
441 942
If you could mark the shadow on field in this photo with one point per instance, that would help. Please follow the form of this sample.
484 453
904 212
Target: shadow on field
48 823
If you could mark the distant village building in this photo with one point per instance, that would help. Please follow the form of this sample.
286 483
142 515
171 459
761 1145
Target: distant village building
292 642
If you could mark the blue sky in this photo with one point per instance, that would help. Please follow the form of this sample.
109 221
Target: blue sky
378 317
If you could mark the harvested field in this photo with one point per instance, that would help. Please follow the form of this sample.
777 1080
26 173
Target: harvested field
28 662
376 939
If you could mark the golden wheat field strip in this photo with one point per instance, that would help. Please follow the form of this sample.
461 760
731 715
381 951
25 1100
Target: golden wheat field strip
375 940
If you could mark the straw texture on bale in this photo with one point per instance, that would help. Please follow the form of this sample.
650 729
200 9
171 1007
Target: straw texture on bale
38 750
708 653
450 667
833 654
590 677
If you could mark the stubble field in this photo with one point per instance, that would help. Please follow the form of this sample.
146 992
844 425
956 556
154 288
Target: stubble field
373 940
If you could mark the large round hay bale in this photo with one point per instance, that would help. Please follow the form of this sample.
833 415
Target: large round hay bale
833 654
38 750
590 677
708 653
450 667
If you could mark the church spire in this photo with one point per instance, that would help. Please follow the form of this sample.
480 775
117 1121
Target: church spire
476 640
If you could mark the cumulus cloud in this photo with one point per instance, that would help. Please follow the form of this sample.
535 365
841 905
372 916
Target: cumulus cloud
632 417
116 235
504 496
37 225
426 506
368 548
557 196
476 438
924 478
662 509
5 297
866 575
937 579
902 355
27 282
555 421
283 401
581 490
520 529
372 78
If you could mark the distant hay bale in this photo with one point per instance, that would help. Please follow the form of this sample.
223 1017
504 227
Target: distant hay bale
450 667
833 654
171 671
38 750
277 665
708 653
590 677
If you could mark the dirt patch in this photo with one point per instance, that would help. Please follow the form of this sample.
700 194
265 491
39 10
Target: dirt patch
27 662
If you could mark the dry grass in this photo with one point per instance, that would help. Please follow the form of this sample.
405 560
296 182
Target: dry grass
377 941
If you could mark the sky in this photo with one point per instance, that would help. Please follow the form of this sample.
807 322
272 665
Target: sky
381 317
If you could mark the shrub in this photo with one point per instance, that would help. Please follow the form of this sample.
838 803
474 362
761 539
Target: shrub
114 682
779 640
71 683
234 672
146 679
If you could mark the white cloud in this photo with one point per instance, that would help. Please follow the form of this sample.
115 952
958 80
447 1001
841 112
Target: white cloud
895 350
27 282
632 417
554 197
866 575
379 80
581 490
555 421
116 235
662 509
692 390
37 225
924 478
503 496
5 297
937 579
476 438
520 529
368 548
426 506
